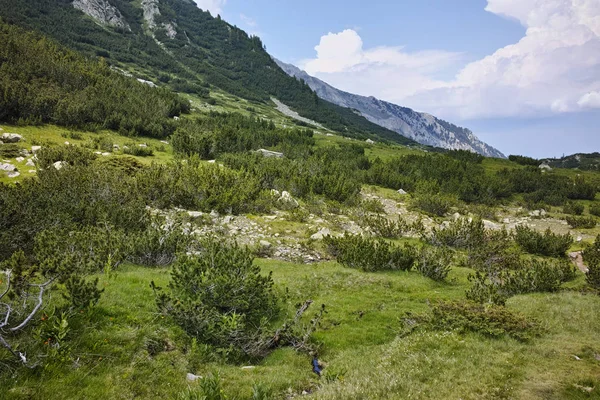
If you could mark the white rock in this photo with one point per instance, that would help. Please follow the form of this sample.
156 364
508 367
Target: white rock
13 174
192 378
32 171
490 225
264 244
116 146
67 143
330 134
34 149
20 159
195 214
30 163
579 239
7 167
248 367
98 153
402 192
212 161
227 219
456 216
11 138
142 145
287 198
321 234
106 154
369 141
60 164
164 142
269 153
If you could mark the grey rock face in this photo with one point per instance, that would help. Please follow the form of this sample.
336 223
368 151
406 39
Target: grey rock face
421 127
151 11
103 12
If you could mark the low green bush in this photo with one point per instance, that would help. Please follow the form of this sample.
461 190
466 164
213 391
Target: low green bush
595 209
591 256
462 234
355 251
546 244
9 150
573 208
158 245
220 298
434 204
582 222
434 262
139 151
73 155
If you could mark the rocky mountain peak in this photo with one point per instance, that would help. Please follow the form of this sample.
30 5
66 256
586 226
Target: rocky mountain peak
103 12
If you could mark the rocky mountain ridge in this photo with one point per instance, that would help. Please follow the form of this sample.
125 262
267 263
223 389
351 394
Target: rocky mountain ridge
420 127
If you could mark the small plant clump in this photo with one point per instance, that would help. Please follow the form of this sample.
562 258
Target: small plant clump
591 255
355 251
582 222
546 244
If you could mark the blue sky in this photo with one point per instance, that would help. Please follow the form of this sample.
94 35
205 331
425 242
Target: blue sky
524 75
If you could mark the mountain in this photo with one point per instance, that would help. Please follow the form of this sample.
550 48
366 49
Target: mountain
174 44
420 127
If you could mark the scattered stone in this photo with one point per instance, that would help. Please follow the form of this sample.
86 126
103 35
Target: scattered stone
116 146
579 239
535 213
11 138
164 142
369 141
13 174
490 225
67 143
7 167
585 389
228 219
402 192
142 145
214 214
269 153
545 167
287 198
30 163
106 154
192 378
330 134
34 149
577 259
576 358
32 171
176 118
543 213
264 244
145 82
60 164
248 367
212 161
456 216
195 214
321 234
20 159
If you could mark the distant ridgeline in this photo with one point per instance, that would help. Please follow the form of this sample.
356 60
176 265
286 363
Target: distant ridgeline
582 161
174 43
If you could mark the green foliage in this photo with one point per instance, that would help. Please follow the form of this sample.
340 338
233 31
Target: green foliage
573 208
139 151
462 234
546 244
10 150
434 262
43 82
72 155
591 255
496 252
82 294
595 209
433 204
466 156
522 160
158 245
533 276
389 228
220 297
491 320
355 251
582 222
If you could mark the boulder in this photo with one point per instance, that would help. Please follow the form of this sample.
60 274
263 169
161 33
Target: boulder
402 192
35 149
321 234
369 141
142 145
7 167
287 198
490 225
20 159
13 174
11 138
60 164
264 244
192 378
195 214
269 153
545 167
106 154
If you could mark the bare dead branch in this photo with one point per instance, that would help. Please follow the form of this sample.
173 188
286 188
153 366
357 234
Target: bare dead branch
42 288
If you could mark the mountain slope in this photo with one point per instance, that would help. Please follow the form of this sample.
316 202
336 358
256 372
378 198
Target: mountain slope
420 127
174 43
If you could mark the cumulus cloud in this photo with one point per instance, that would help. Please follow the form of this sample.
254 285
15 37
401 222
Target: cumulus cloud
590 100
214 6
343 61
554 68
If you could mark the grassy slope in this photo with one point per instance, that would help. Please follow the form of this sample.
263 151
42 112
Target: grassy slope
113 361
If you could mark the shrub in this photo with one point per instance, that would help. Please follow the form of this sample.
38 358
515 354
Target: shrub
497 252
582 222
434 262
546 244
533 276
139 151
220 297
595 209
158 245
462 234
384 227
434 204
73 155
492 320
591 255
367 254
10 150
573 208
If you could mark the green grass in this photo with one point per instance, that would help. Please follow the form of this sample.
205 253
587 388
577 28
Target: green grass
358 335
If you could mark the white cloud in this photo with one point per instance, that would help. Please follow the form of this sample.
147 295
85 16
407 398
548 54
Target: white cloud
342 61
590 100
248 21
214 6
552 69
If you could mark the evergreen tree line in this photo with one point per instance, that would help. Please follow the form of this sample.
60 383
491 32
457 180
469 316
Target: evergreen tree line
41 82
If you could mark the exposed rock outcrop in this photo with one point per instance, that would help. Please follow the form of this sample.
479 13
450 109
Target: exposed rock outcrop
103 12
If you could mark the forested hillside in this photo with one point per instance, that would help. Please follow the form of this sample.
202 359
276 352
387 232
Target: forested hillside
204 50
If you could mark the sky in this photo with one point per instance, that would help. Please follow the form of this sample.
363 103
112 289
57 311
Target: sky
524 75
